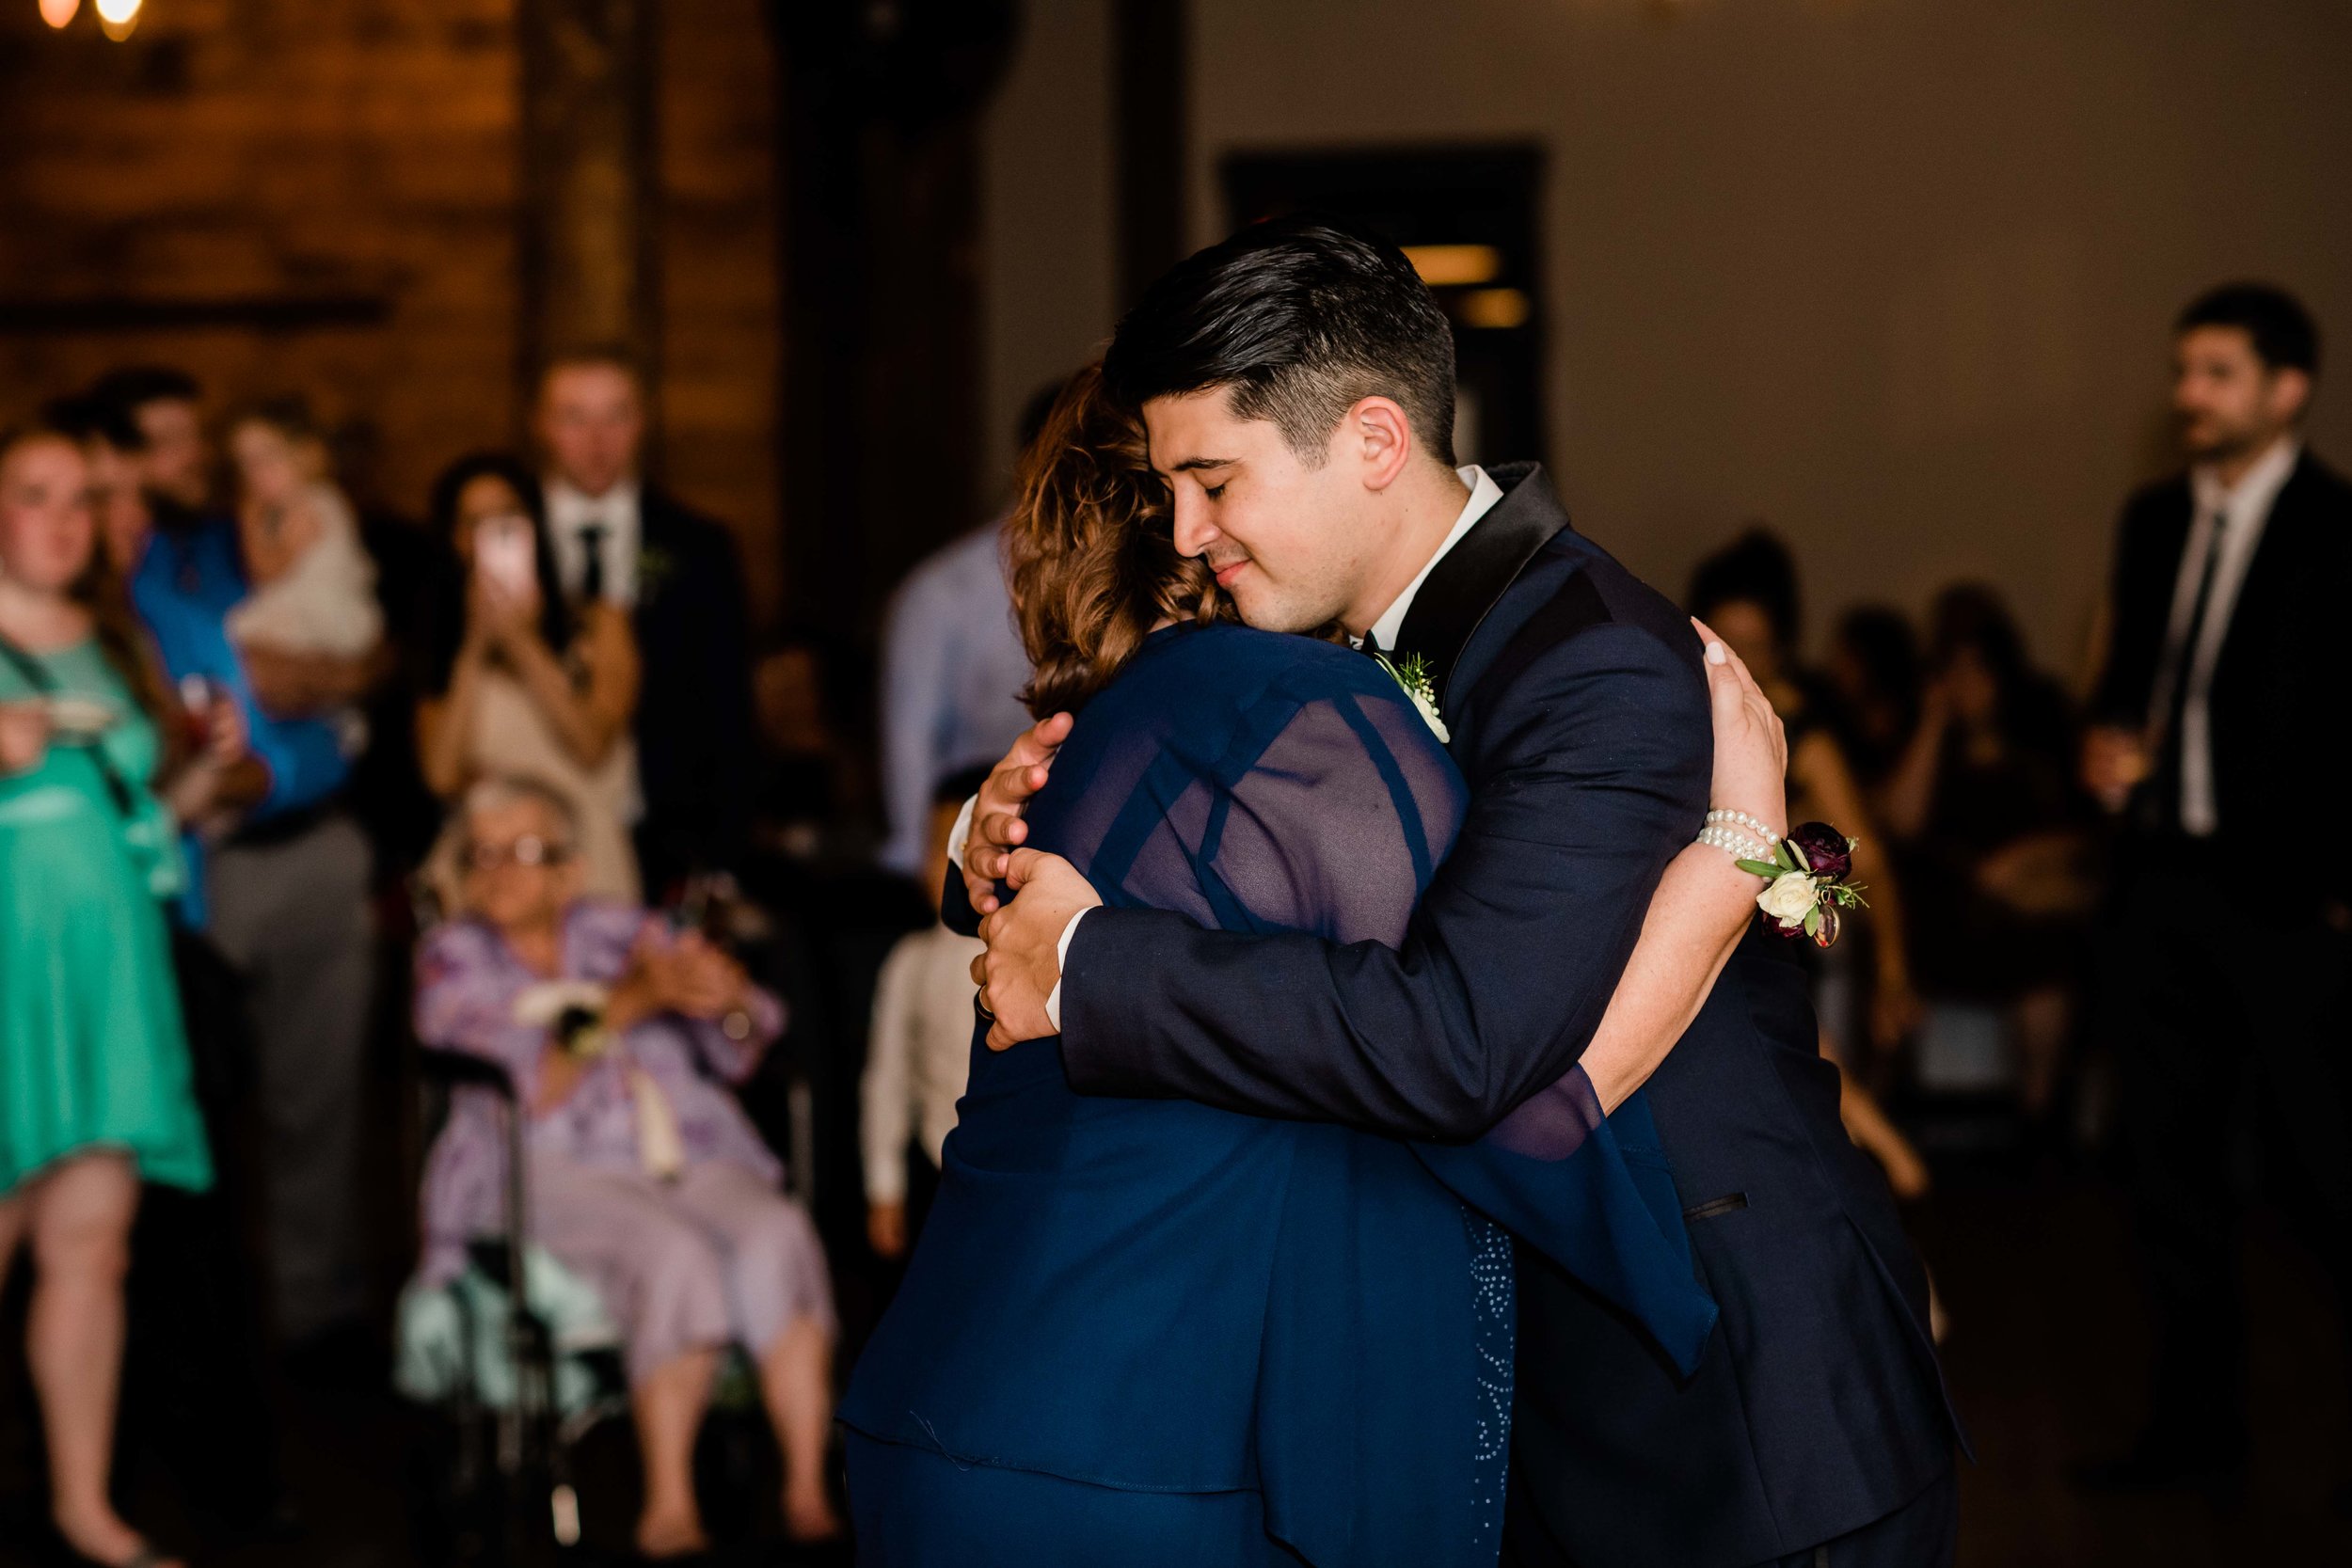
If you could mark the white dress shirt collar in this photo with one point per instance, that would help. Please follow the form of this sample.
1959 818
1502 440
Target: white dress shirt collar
2242 511
619 511
2255 489
1484 493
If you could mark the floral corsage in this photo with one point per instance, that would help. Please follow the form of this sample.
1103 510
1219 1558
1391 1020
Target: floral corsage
1806 882
1413 676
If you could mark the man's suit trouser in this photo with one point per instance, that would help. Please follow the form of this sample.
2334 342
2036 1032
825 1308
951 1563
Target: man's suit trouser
292 919
2222 1024
1923 1533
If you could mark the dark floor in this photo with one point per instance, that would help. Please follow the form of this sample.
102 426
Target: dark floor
2043 1349
2044 1353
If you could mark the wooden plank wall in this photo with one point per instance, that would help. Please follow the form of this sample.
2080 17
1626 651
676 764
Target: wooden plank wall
282 195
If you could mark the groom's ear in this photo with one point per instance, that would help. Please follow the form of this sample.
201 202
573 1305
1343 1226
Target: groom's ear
1377 436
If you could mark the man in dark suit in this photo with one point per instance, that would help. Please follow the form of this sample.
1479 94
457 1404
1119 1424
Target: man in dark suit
681 578
1296 382
2219 732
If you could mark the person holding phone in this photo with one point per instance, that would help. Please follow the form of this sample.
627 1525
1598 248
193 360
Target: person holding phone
520 682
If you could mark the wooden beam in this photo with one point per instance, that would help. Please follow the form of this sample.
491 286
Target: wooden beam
589 180
1151 57
33 318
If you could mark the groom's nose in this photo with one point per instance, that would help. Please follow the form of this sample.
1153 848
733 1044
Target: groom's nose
1194 532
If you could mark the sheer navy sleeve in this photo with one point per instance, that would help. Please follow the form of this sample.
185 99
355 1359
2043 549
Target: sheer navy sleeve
1319 802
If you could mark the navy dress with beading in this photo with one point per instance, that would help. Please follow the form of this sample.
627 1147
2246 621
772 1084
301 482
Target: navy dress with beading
1150 1332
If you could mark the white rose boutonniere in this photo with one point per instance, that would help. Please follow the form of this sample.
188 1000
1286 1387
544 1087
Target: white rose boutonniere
1413 676
655 567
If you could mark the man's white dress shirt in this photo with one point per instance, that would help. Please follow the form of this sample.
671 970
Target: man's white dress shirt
1483 494
2242 511
570 511
953 669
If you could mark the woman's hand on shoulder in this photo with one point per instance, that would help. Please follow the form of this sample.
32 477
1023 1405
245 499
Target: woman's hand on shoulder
23 736
1751 749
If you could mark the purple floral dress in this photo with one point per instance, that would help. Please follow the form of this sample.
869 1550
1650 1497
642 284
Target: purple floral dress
468 982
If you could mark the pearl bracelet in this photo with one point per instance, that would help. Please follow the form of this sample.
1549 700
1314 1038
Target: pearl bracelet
1739 845
1744 819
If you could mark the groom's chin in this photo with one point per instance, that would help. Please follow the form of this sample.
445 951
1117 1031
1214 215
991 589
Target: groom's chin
1266 614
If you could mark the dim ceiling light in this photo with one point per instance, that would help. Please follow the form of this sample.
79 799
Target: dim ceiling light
1440 265
58 12
1498 309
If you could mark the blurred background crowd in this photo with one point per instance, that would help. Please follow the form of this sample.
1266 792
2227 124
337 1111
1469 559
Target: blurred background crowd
498 504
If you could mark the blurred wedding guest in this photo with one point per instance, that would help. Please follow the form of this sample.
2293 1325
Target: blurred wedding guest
2217 732
195 1350
1748 593
645 1178
1994 848
1872 673
919 1055
953 671
280 890
622 541
313 585
808 780
520 682
95 1094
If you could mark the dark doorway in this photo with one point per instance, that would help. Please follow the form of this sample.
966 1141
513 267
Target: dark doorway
1468 217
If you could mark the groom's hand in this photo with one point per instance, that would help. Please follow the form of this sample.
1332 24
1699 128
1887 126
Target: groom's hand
1023 964
996 826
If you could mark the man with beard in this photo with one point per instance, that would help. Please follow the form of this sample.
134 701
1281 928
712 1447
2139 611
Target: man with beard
2218 731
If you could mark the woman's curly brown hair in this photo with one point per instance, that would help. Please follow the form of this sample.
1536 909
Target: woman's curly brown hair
1092 562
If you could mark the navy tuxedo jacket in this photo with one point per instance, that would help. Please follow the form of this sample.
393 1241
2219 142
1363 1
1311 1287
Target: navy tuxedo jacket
694 727
1577 702
2276 741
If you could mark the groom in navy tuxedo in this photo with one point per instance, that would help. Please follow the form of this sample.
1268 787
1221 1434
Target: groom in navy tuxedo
1297 385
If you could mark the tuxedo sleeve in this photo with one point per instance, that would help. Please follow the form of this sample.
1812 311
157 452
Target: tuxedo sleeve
2140 603
955 905
1589 773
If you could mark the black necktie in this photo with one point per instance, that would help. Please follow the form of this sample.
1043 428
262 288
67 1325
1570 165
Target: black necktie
592 579
2174 676
1372 646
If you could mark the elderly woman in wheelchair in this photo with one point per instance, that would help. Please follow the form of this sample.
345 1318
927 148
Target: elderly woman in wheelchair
645 1178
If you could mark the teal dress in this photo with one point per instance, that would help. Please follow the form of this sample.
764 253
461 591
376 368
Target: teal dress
92 1050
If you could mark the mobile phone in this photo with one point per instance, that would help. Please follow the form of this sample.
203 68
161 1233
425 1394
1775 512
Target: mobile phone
198 693
503 554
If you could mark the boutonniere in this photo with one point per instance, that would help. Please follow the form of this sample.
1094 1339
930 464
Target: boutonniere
654 567
1413 676
1807 886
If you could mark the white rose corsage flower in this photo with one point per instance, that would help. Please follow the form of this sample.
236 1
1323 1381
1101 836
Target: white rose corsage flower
573 1009
1806 883
1413 676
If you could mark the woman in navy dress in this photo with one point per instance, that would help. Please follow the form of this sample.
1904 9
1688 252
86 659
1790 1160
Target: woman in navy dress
1149 1332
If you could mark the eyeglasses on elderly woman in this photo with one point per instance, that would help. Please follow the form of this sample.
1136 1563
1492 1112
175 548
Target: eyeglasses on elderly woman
528 849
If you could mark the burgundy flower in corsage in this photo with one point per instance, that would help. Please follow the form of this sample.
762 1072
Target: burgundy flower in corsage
1806 883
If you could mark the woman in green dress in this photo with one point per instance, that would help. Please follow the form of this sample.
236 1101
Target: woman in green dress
94 1079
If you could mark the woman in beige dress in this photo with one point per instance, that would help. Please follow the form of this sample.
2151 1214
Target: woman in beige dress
522 685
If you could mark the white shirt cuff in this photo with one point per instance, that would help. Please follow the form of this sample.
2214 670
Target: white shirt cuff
961 833
1062 961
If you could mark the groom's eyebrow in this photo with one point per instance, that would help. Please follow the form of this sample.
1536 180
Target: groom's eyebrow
1191 463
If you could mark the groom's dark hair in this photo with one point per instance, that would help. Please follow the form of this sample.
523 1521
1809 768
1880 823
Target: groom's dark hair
1299 319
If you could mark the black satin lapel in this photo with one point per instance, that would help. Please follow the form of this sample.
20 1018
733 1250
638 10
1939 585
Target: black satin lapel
1465 585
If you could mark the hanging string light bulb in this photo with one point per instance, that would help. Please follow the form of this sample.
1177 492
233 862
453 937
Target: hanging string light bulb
115 18
58 12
